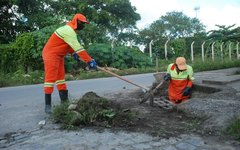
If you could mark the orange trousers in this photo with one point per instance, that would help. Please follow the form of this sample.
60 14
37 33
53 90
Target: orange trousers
54 74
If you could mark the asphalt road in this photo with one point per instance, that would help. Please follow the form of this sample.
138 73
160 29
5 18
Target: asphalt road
22 107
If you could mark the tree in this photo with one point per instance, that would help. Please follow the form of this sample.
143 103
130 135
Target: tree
108 17
21 16
225 33
174 25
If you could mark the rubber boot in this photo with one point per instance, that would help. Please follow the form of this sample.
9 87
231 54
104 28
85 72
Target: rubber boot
48 105
63 96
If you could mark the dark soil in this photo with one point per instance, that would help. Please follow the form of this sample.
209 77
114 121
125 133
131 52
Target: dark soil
133 117
185 118
155 120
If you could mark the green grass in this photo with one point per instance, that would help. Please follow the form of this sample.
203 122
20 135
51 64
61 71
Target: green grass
233 128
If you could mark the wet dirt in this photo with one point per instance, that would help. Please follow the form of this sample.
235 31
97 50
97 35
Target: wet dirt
202 114
154 120
148 119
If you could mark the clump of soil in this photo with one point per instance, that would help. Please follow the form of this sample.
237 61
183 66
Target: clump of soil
123 112
93 110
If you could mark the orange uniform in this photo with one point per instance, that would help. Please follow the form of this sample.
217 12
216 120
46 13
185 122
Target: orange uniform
179 80
62 41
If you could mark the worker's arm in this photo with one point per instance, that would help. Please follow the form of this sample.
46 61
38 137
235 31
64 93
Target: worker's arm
190 76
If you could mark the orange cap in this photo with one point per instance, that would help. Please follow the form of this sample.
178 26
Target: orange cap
181 63
73 22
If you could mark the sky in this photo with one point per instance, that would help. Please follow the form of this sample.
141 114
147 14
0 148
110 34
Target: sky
210 12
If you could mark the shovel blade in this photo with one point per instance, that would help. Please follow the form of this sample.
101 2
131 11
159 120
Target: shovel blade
148 95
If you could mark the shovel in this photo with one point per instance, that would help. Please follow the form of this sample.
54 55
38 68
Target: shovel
150 94
144 89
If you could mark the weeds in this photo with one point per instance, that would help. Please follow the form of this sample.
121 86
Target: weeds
91 110
234 128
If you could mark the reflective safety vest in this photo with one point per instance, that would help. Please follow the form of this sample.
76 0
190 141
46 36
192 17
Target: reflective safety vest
179 81
62 41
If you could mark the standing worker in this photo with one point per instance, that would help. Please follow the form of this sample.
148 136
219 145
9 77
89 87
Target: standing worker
180 77
61 42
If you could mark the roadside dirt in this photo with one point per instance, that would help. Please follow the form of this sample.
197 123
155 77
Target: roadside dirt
155 120
207 113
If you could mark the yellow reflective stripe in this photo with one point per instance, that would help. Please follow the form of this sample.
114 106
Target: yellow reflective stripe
179 78
48 84
60 82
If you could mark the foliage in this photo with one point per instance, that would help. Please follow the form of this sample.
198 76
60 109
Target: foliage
208 64
28 48
20 78
125 57
24 43
91 110
178 24
174 25
19 16
179 47
102 53
234 128
120 57
8 59
61 114
107 17
31 78
225 34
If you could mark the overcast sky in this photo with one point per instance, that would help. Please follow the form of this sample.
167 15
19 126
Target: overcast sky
211 12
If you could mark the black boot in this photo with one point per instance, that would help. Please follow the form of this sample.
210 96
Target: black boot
48 105
63 96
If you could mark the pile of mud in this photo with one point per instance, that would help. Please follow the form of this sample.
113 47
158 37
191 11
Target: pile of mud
93 110
123 112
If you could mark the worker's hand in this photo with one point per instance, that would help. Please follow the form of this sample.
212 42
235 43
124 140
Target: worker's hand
167 77
75 56
92 64
186 91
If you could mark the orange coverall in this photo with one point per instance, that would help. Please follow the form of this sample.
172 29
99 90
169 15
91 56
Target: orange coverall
62 41
178 82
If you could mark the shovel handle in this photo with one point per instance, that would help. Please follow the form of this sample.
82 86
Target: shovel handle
115 75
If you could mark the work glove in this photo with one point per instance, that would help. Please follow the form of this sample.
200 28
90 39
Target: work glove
186 91
167 77
92 65
75 56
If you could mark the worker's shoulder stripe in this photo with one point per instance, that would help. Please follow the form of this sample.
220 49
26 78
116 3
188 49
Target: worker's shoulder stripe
58 34
64 31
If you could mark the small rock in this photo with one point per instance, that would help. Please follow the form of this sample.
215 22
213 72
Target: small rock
42 122
72 107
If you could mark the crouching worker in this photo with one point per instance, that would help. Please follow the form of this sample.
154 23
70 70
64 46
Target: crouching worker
61 42
180 77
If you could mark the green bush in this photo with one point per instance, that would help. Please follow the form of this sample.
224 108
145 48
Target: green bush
8 58
101 53
120 57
